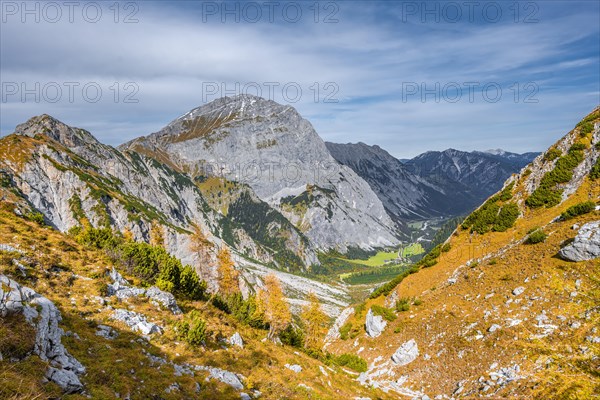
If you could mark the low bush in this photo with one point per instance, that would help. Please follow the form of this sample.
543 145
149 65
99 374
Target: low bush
352 361
386 313
493 215
192 329
536 237
403 304
548 194
153 264
595 171
292 336
578 209
36 217
552 154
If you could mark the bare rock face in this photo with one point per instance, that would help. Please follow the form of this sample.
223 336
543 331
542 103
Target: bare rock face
406 353
64 369
374 324
275 151
586 245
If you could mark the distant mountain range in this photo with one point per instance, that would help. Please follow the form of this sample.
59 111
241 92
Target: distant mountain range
434 184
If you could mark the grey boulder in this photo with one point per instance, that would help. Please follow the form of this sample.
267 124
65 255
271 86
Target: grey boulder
585 246
406 353
374 324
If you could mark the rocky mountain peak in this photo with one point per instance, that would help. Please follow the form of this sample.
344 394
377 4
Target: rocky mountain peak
56 130
272 149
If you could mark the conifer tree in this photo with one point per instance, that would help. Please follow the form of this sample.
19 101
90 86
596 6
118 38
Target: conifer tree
272 303
315 323
228 275
157 236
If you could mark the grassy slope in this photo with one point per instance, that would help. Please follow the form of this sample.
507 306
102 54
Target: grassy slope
561 365
119 366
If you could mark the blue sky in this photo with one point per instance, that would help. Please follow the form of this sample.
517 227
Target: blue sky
401 74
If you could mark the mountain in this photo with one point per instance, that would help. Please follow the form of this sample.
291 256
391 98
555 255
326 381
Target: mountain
507 307
277 153
65 174
519 160
471 176
405 195
434 184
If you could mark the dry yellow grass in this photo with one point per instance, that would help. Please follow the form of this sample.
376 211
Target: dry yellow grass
451 317
120 366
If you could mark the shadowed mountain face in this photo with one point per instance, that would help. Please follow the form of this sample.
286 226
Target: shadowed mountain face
433 184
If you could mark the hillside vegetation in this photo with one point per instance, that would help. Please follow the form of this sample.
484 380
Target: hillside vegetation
72 271
499 313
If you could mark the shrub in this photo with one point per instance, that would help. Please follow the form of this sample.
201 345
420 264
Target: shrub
577 147
153 264
578 209
418 302
506 217
586 128
388 287
192 329
552 154
403 304
345 330
190 285
36 217
492 215
446 247
595 171
536 237
386 313
352 361
547 194
292 336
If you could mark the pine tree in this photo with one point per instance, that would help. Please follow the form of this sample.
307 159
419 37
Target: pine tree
228 275
272 303
157 237
315 323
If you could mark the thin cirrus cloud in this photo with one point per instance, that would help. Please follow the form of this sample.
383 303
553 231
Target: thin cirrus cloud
370 55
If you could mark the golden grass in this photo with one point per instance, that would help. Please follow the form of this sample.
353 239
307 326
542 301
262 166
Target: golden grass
120 366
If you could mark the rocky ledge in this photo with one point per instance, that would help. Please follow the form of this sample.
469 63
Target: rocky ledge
42 314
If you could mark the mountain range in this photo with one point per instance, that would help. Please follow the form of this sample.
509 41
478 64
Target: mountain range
251 176
434 184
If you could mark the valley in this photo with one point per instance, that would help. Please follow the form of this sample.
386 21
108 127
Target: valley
204 274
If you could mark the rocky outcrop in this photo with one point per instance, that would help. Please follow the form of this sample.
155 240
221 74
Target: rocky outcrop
221 375
106 332
165 299
406 353
41 313
334 331
585 246
136 321
374 324
122 289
